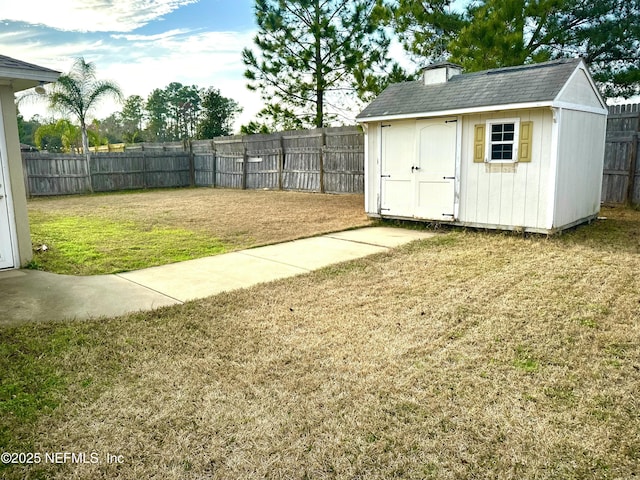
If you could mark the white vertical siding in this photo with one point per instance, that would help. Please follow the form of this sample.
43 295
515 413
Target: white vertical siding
371 171
506 195
580 163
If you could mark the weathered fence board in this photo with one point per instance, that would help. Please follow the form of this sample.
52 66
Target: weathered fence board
205 172
228 159
162 170
621 175
343 162
49 174
301 167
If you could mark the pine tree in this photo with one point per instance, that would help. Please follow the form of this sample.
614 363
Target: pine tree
315 56
218 113
495 33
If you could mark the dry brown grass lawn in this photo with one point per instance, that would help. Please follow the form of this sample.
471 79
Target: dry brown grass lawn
466 356
235 217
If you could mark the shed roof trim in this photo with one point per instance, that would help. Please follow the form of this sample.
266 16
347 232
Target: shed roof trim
525 84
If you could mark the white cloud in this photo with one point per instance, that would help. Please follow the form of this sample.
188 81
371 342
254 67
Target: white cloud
89 15
210 59
150 38
58 57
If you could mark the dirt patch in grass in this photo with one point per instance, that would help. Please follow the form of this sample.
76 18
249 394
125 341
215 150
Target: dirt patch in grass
117 232
469 355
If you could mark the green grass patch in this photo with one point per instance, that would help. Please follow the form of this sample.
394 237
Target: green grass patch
525 361
43 368
31 383
81 245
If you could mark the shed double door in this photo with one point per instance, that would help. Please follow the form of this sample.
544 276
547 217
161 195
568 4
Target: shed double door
418 169
6 250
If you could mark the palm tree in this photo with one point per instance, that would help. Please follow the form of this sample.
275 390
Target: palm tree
78 92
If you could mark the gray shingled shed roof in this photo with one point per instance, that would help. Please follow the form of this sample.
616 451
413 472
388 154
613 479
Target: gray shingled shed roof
25 75
502 86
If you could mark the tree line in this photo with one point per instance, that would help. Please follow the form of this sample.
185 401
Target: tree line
177 112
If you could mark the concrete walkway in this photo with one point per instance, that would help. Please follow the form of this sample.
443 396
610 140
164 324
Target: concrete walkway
30 295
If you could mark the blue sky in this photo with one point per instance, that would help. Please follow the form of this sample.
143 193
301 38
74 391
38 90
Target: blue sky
140 44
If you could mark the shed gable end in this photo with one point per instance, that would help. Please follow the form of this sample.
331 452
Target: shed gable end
580 90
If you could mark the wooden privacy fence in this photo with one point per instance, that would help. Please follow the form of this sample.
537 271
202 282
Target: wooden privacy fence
621 176
61 174
323 160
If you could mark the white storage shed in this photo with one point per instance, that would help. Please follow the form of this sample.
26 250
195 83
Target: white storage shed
517 148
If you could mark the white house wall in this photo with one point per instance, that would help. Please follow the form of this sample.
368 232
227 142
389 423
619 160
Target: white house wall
510 195
580 163
10 150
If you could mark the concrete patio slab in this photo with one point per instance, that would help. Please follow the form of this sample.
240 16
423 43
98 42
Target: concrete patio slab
28 295
204 277
314 253
382 236
208 276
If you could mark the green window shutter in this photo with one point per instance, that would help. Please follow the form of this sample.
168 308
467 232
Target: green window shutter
478 144
526 136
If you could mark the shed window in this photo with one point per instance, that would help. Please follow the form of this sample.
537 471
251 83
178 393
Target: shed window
505 141
502 140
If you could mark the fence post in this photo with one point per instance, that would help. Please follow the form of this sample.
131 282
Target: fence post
192 165
88 167
245 159
25 174
214 181
323 140
633 152
145 181
280 162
